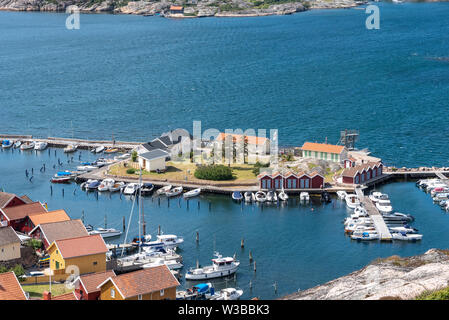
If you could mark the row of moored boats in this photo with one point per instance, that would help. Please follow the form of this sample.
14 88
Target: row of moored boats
438 190
361 226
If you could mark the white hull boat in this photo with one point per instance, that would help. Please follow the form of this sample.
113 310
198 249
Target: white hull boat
304 196
174 192
106 185
341 195
261 196
406 236
131 188
117 186
99 149
221 267
365 236
248 196
171 264
192 193
384 206
228 294
70 148
40 146
164 190
377 196
27 146
106 233
283 196
352 201
17 144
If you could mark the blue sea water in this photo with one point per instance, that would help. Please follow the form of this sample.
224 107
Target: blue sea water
309 75
294 246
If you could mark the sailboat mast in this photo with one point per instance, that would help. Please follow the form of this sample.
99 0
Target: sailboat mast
140 208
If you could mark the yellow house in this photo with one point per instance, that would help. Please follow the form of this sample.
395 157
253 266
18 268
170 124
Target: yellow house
88 253
9 244
156 283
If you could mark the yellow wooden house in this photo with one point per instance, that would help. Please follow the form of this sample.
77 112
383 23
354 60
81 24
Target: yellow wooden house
156 283
87 253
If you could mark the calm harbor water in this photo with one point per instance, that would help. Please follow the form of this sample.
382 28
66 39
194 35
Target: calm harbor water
295 246
310 75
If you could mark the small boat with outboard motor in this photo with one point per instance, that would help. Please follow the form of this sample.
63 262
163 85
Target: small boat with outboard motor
221 267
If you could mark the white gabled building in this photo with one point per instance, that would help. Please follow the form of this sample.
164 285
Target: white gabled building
153 160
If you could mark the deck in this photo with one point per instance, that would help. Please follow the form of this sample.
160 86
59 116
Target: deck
374 214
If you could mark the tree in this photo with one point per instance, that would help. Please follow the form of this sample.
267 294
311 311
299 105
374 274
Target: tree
134 156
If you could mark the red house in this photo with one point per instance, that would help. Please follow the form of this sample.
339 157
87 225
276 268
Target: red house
291 181
277 179
17 216
317 180
362 173
86 285
265 181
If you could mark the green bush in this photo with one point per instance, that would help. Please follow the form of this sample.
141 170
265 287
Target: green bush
17 269
134 156
259 165
214 172
434 295
34 243
131 171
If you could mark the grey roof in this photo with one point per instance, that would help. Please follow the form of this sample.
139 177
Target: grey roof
177 135
166 140
63 230
155 154
5 198
7 236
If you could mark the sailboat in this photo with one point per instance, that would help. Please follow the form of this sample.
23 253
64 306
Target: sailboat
282 195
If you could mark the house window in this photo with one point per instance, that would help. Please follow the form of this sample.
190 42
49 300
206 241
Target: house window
57 252
139 297
112 293
95 263
162 292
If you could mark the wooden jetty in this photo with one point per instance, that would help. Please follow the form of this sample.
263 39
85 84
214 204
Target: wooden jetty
378 220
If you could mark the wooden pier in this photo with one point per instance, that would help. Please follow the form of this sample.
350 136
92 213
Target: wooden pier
378 220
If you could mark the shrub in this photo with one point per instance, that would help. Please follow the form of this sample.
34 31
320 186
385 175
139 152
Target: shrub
34 243
214 172
134 156
259 165
131 171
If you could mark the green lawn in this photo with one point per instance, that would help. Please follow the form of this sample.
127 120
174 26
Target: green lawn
36 290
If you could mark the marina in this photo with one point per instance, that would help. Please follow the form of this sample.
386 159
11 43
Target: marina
229 223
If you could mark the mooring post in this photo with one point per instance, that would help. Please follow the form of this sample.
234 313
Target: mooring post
198 204
51 190
197 237
242 244
63 192
210 206
159 230
124 224
254 266
250 256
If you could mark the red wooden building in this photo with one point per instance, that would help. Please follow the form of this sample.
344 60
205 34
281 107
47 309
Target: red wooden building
86 285
17 216
291 181
362 173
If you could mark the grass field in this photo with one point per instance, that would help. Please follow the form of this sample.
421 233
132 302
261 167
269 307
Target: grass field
36 290
182 170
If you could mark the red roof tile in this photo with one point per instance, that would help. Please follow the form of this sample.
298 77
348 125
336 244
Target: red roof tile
10 288
322 147
93 280
81 246
66 296
23 210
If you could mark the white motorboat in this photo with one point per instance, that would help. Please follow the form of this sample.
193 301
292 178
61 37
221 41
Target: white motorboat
71 148
123 156
364 236
27 146
106 233
397 216
352 201
376 196
304 196
117 186
171 264
403 230
227 294
384 206
192 193
261 196
237 196
201 291
106 185
174 192
406 236
86 168
283 196
248 196
341 194
40 146
221 267
441 196
358 221
99 149
438 190
164 190
146 189
84 185
360 212
272 196
166 241
360 228
17 144
131 188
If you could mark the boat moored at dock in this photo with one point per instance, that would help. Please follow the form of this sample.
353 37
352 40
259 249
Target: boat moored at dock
221 267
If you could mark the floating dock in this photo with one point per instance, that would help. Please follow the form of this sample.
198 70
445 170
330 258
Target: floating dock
374 214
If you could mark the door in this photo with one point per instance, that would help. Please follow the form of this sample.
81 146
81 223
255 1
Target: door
57 265
307 184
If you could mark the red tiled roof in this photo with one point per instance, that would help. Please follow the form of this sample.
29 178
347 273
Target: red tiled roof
236 137
23 210
10 288
351 172
172 7
66 296
143 281
26 199
322 147
81 246
62 230
49 217
93 280
5 198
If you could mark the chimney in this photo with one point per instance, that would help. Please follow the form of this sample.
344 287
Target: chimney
46 295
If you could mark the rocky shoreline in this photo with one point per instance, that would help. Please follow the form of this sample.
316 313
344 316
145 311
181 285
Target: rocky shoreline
194 9
392 278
